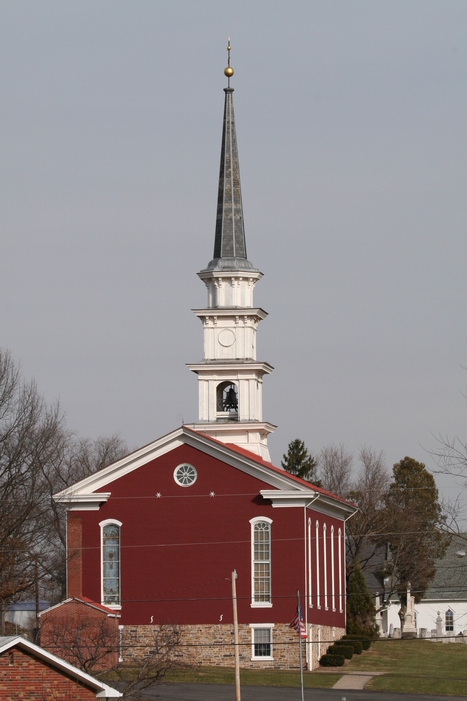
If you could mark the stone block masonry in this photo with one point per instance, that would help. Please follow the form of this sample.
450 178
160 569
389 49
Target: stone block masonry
213 645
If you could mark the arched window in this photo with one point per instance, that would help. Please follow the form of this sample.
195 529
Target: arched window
110 554
449 621
227 401
318 601
325 567
261 562
310 583
333 584
341 601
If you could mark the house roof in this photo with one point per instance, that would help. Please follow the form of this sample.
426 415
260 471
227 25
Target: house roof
450 580
102 690
89 493
88 602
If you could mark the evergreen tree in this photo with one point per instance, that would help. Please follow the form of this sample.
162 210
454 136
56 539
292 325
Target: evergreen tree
360 607
299 462
415 521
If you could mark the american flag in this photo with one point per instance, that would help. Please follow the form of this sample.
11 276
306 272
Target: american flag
297 623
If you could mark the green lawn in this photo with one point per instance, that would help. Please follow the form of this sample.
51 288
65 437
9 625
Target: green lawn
250 677
415 666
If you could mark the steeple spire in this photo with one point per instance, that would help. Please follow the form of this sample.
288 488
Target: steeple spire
230 378
229 243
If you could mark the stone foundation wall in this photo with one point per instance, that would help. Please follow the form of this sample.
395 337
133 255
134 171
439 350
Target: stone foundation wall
214 645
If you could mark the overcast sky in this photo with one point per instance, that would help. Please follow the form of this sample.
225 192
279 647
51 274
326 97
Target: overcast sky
351 124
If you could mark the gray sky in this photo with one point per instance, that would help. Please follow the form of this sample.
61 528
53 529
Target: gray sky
352 142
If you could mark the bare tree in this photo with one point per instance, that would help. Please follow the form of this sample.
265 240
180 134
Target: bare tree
144 672
29 430
367 530
93 642
38 457
335 469
74 459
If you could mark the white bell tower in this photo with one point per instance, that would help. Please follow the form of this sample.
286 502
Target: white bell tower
230 378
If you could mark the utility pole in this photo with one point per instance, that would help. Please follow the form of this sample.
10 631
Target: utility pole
235 622
299 612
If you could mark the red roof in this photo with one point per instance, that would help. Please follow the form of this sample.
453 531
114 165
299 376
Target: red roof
278 470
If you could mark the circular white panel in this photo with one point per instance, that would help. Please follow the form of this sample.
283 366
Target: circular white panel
226 338
185 474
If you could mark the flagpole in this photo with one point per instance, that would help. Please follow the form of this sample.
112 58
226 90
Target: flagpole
300 640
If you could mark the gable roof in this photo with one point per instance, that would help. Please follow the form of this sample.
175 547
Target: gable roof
87 602
16 641
286 489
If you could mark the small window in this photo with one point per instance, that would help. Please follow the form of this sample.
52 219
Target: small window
11 659
449 621
261 639
185 475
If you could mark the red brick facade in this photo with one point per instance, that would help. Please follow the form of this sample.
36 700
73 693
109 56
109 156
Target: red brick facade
25 678
82 634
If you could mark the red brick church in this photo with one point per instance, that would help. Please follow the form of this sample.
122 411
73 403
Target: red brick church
156 536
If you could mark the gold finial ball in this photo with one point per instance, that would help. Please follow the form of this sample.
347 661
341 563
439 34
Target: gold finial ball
229 71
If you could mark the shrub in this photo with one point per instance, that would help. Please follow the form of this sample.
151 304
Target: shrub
356 644
366 642
332 661
344 650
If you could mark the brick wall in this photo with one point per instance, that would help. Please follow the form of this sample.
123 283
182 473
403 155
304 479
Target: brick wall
74 554
214 645
81 635
24 678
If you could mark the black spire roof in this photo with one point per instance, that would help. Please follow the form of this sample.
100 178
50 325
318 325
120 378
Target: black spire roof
229 242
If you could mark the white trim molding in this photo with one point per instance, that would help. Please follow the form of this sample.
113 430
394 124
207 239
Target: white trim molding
115 605
263 563
261 626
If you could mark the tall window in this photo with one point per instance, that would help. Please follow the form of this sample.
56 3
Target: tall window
325 568
318 602
261 561
341 608
333 586
310 585
449 621
110 549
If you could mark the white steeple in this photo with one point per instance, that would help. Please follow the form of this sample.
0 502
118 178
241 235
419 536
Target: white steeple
230 379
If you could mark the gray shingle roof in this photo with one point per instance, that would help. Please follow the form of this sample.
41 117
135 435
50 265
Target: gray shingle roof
229 242
450 580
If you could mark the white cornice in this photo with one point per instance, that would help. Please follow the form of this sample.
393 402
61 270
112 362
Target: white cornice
231 311
245 274
239 365
322 503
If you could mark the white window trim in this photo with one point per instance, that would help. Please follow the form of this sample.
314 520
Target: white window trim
254 626
102 524
260 604
339 547
318 603
325 566
310 586
333 584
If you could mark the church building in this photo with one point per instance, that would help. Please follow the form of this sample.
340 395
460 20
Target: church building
156 536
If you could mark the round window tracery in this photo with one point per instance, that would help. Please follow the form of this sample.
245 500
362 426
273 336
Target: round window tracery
185 475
